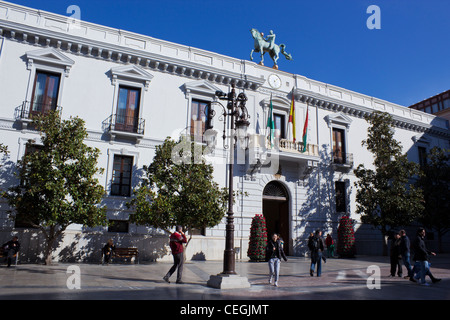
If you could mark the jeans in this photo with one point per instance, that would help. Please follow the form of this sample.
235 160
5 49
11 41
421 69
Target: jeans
274 268
317 259
424 269
407 263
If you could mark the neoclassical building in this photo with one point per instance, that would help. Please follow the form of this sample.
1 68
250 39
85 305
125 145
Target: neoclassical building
133 91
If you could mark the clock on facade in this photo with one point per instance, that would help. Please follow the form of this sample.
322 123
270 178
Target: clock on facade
274 81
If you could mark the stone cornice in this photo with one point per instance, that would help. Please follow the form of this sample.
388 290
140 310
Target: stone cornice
45 29
359 111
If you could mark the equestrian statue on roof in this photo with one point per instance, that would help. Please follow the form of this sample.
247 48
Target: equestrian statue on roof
268 45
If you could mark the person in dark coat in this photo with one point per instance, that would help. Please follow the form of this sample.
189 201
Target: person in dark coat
395 256
421 255
315 245
11 248
274 253
108 251
405 252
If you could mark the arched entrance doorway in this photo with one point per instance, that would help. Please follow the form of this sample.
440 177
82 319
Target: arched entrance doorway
276 212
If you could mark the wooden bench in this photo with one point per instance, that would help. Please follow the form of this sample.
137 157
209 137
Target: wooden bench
3 254
125 253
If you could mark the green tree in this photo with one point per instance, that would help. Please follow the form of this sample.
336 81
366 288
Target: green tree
386 196
435 183
58 184
178 193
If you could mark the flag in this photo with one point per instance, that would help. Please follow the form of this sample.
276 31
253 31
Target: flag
305 130
291 122
271 124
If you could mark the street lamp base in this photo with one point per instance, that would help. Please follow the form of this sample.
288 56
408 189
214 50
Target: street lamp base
228 281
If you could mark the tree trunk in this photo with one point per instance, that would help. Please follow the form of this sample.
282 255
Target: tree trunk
49 250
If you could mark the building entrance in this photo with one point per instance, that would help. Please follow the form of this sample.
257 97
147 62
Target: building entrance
276 212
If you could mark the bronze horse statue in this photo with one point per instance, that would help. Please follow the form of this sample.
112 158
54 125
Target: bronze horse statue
268 45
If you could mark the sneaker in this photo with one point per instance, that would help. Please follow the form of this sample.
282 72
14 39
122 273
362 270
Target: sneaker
166 279
179 282
275 284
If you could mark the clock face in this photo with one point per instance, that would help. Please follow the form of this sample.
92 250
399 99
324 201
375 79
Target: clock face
274 81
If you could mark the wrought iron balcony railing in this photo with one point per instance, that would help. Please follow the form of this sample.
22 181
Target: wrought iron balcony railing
120 123
342 159
28 109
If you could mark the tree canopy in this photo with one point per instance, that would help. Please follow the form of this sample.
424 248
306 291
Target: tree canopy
178 193
58 184
386 195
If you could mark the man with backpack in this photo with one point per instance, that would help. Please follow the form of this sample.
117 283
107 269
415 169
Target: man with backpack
315 245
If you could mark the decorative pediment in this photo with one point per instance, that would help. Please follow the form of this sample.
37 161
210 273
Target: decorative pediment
49 57
277 101
202 87
338 118
131 72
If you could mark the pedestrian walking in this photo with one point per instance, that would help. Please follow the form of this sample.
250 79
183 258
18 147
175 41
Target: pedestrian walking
405 252
176 245
421 255
274 253
315 245
11 248
329 242
395 256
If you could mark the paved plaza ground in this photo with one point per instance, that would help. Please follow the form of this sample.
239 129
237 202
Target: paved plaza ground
342 279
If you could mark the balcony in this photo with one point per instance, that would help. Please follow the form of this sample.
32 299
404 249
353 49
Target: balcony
28 109
286 149
342 161
118 126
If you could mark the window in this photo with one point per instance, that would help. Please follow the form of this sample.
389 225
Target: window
340 196
118 226
127 115
45 92
339 150
121 178
422 156
279 121
200 118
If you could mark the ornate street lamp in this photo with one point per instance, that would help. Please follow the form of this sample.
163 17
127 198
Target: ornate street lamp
238 114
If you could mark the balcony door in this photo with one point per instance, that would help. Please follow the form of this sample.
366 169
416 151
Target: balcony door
339 145
127 114
45 92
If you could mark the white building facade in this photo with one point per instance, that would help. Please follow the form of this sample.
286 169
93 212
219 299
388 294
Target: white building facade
133 91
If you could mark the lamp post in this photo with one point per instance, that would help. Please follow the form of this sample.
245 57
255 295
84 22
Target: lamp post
238 114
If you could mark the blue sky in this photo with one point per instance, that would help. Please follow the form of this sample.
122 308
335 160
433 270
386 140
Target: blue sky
404 62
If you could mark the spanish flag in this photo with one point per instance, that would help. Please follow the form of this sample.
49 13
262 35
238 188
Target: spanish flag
291 122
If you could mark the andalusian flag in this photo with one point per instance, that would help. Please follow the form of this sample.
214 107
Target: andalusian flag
305 130
291 122
271 124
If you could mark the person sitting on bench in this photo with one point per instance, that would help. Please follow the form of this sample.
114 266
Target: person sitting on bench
11 248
